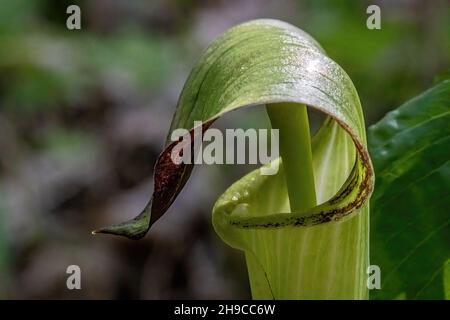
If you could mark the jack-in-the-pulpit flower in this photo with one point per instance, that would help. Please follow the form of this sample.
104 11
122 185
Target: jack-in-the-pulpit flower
305 230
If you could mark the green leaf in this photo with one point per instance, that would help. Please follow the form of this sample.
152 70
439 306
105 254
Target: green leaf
318 253
410 219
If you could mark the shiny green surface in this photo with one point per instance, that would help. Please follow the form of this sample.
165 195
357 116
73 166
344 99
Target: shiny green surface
299 254
410 235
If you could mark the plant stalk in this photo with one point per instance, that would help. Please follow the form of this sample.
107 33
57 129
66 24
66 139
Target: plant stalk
291 119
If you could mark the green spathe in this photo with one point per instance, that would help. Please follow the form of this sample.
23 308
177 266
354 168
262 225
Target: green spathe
317 253
311 251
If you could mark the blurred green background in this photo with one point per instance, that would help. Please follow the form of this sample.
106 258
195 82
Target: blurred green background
84 114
